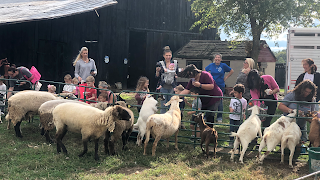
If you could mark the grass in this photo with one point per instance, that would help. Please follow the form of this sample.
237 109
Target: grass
32 158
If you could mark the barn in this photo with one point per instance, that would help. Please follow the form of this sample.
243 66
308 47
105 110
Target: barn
131 33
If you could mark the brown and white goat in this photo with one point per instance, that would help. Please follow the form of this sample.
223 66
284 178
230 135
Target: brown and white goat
208 135
314 134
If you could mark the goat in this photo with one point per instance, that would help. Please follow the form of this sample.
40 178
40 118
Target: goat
208 135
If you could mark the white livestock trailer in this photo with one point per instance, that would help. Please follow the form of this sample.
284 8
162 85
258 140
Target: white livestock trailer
302 43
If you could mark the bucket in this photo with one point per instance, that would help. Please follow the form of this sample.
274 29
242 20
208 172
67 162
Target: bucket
314 159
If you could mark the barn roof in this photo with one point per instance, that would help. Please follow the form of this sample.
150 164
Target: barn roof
206 49
16 11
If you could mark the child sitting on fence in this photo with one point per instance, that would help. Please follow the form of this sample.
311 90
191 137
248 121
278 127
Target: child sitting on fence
196 105
68 87
90 91
75 82
142 85
3 91
102 98
52 89
111 97
235 107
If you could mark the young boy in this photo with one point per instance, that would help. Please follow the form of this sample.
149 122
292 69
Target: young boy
91 93
196 105
3 91
102 98
68 87
235 107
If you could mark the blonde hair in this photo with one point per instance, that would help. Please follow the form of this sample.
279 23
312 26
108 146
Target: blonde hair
75 80
79 55
142 80
180 87
68 76
52 87
90 79
104 84
250 63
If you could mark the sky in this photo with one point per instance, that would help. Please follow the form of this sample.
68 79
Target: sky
281 40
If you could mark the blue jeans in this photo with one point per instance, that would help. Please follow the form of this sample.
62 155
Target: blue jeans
303 126
234 128
166 99
220 107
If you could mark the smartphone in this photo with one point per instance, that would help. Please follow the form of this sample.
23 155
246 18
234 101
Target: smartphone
192 79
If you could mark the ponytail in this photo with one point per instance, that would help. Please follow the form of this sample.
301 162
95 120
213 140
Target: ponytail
79 55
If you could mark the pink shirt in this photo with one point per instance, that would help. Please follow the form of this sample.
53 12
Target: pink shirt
269 80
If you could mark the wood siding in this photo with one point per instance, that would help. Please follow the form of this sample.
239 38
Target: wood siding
52 45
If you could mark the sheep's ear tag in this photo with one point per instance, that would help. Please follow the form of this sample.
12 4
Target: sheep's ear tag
129 106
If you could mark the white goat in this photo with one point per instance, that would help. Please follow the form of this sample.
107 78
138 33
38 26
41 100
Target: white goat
149 107
272 135
164 125
247 131
290 138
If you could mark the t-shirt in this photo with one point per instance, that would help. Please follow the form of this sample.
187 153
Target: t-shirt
308 76
206 78
235 105
69 87
195 102
302 107
89 93
23 71
217 72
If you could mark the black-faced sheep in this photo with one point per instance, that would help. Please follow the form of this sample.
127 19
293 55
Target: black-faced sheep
164 125
89 121
122 128
46 118
25 102
208 135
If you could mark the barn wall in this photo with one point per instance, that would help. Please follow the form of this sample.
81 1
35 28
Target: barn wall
52 45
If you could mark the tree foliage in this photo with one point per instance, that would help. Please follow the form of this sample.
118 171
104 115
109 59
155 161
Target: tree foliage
281 56
249 18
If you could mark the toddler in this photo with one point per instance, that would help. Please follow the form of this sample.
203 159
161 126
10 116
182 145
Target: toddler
90 91
142 85
68 87
234 107
111 98
52 89
102 98
196 105
75 82
168 76
3 91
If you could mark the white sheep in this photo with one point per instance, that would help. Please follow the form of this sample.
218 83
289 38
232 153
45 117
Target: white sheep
149 107
272 135
89 121
122 128
25 102
247 131
46 118
290 138
164 125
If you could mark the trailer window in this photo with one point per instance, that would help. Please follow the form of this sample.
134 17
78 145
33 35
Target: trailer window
318 47
303 47
304 34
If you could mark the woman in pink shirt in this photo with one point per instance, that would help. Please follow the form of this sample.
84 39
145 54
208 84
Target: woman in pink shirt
263 87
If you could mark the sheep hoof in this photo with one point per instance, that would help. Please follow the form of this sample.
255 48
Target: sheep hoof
124 148
291 166
281 162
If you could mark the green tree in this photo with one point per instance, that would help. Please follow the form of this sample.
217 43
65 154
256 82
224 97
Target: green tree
249 18
281 56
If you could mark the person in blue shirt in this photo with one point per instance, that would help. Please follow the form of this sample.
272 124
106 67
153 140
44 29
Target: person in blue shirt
217 70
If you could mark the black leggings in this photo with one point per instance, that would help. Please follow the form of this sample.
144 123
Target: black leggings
272 106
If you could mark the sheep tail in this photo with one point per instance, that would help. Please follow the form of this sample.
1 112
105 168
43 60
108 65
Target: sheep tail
233 134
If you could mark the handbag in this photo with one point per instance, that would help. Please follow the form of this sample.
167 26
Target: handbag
35 75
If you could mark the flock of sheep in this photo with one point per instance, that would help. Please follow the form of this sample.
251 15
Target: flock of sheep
96 120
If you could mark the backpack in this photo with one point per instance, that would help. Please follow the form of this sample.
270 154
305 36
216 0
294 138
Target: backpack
168 77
